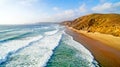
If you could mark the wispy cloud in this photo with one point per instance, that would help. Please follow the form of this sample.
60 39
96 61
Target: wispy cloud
65 15
27 2
68 14
112 7
28 11
102 7
82 8
56 8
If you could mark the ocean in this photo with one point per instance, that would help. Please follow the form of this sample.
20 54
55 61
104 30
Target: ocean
41 45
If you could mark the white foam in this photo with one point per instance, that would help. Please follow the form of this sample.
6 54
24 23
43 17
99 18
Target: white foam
14 45
45 27
84 53
12 34
38 54
6 30
51 32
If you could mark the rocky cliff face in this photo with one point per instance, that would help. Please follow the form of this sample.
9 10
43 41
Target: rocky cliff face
103 23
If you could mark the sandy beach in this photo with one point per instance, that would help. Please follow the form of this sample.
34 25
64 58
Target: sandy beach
105 48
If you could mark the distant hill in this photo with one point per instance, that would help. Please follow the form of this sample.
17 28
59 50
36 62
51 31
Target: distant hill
66 23
103 23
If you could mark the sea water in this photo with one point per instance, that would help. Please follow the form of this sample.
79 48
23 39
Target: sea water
41 45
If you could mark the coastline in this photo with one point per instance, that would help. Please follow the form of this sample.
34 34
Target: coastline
106 52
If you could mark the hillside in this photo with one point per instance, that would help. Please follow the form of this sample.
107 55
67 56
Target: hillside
103 23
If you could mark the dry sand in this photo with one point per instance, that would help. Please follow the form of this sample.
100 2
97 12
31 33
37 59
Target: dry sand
105 48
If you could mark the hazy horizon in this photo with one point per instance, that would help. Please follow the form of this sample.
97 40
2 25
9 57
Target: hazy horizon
32 11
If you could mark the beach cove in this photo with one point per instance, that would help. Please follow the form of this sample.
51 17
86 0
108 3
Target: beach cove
105 48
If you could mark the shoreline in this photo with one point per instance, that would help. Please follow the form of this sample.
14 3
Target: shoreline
105 53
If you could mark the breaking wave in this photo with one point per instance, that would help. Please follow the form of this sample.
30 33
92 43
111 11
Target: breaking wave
39 45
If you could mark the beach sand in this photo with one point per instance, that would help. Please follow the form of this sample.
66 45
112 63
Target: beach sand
105 48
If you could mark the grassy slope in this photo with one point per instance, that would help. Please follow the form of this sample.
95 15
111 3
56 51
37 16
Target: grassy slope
103 23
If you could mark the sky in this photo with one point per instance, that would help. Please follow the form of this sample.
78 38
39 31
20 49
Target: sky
33 11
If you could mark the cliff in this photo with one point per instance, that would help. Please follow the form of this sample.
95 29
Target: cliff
103 23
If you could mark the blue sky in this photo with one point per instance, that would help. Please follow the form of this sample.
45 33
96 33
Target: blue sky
32 11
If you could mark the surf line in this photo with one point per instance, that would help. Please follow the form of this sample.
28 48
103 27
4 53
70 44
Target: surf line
18 50
54 50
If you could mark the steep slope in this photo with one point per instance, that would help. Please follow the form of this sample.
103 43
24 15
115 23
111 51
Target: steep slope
103 23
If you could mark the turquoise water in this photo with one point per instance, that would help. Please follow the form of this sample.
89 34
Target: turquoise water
41 45
65 55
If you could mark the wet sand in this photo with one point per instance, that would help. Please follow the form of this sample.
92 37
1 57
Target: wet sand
106 54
